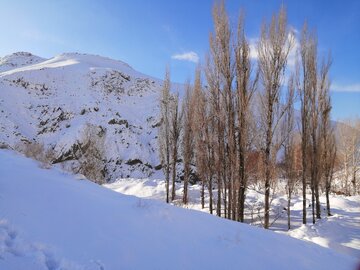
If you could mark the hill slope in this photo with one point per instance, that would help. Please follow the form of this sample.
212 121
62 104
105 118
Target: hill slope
62 101
49 220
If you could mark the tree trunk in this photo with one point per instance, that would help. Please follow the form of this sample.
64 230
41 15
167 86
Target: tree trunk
210 196
241 203
267 187
167 182
328 202
202 194
313 202
242 186
173 188
288 209
317 200
267 164
225 199
185 194
304 170
267 200
218 206
353 181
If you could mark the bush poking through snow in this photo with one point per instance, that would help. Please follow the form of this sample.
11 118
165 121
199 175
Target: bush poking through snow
38 152
91 161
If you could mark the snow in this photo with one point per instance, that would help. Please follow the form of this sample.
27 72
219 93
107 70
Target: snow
51 101
19 59
52 220
340 232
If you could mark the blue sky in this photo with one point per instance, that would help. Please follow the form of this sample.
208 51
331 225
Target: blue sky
149 35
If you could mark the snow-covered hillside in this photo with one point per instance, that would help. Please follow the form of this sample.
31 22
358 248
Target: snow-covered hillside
56 101
51 220
19 59
340 232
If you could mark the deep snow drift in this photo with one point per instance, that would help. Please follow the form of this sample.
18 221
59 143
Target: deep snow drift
51 220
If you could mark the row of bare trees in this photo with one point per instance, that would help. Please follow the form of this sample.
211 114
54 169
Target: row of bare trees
348 160
232 129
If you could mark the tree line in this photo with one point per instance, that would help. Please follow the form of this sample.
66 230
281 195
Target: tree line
237 123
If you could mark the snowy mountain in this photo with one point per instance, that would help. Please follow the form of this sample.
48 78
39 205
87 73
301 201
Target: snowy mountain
19 59
63 101
51 220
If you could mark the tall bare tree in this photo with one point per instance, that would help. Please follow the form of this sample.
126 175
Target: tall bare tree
187 141
313 124
320 106
355 156
245 88
199 127
349 150
304 93
217 121
327 137
290 166
164 131
273 50
175 128
222 57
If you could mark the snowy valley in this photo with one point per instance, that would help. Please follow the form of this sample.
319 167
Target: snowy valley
53 220
179 135
75 106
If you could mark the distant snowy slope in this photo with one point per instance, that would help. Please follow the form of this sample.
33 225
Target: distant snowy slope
19 59
56 101
49 220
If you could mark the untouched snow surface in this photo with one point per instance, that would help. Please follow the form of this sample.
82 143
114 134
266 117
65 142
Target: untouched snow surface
51 220
340 232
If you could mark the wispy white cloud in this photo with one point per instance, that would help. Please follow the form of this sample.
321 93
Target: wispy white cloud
187 56
345 87
294 50
253 48
292 54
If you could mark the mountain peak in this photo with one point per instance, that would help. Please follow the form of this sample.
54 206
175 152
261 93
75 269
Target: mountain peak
18 59
93 60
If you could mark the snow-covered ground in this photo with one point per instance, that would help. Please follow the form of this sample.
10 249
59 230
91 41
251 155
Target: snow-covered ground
52 220
340 232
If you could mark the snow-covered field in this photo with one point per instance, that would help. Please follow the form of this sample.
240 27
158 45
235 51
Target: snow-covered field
340 232
52 220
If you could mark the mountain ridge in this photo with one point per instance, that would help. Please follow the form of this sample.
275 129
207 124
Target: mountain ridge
54 101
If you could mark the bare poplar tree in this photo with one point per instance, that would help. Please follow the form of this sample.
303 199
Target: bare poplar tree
320 108
273 50
313 124
355 155
175 128
217 121
290 147
349 150
327 137
222 57
245 88
199 126
304 93
164 131
329 157
187 141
